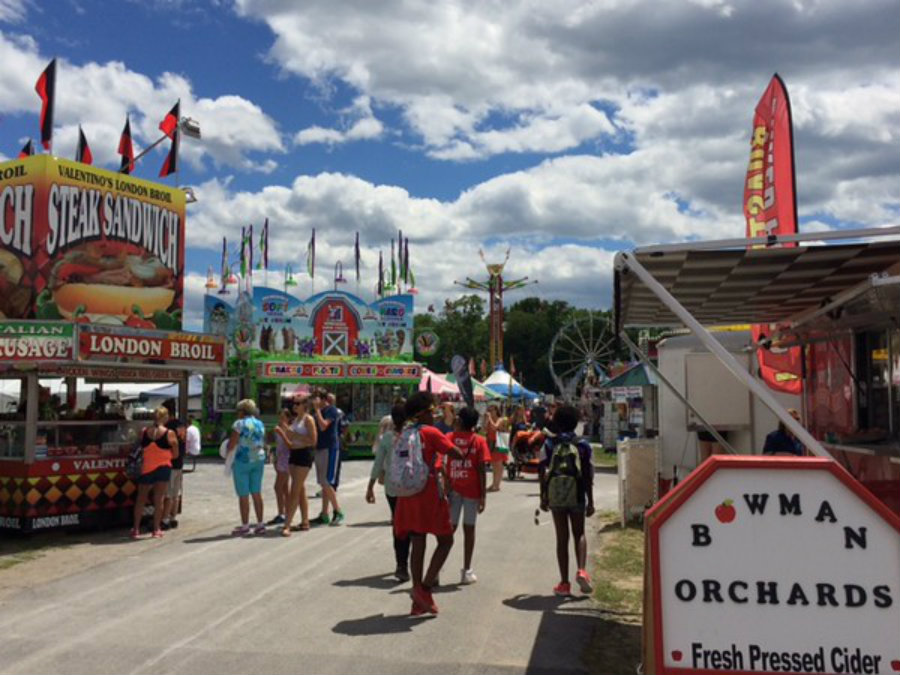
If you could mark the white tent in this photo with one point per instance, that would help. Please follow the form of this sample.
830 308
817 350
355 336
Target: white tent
505 384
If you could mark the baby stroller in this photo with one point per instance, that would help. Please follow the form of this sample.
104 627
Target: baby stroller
524 453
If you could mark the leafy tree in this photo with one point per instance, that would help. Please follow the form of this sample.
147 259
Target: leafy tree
530 326
461 328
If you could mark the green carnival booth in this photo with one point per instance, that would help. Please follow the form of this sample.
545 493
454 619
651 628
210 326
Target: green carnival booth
281 344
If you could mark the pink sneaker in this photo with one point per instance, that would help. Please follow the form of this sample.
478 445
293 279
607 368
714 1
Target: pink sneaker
584 581
157 534
240 531
563 589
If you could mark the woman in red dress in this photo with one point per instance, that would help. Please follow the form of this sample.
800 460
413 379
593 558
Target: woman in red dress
428 511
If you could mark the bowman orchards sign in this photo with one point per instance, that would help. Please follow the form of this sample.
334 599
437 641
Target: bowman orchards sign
772 565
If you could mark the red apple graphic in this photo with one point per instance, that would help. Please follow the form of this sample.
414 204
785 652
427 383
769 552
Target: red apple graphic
895 665
725 512
676 655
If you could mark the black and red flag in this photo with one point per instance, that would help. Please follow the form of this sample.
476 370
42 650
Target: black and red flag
126 149
170 166
27 149
46 89
170 121
83 154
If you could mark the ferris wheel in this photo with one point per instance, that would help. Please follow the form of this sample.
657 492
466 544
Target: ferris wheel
579 353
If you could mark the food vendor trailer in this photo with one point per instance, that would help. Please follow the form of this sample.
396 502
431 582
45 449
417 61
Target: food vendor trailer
91 292
61 466
280 344
840 303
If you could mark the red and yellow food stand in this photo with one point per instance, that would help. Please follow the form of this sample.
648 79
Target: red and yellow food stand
91 294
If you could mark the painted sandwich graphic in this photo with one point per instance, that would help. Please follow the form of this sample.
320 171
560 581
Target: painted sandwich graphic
105 279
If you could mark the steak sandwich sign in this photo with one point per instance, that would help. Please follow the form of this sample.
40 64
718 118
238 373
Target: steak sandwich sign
78 242
771 565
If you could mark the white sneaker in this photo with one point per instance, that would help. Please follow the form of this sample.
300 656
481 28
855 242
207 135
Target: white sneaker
468 577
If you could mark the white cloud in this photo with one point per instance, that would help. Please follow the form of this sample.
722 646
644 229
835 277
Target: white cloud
98 96
194 290
360 124
13 11
677 81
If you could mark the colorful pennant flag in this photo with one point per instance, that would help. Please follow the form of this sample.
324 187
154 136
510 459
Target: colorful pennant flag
46 89
380 274
393 267
126 149
170 166
170 122
83 154
407 272
264 247
311 255
243 251
224 262
356 256
27 149
250 249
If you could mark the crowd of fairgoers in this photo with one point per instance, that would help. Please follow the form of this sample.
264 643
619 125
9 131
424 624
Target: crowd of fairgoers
433 469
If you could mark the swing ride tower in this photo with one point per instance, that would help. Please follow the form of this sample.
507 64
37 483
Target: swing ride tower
495 286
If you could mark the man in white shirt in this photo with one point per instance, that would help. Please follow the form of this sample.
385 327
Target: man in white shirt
192 438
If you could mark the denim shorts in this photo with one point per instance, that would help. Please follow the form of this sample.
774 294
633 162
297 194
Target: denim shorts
468 507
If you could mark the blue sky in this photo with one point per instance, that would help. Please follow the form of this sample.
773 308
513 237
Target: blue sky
561 130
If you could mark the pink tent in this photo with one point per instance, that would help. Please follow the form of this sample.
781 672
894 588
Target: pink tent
437 384
444 388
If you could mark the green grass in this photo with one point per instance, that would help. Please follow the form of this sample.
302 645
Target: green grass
603 458
619 569
12 559
615 647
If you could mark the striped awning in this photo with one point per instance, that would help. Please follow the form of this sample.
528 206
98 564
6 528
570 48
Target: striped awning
740 285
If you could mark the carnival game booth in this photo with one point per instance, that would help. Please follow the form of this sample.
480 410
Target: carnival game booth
633 393
279 342
91 293
839 304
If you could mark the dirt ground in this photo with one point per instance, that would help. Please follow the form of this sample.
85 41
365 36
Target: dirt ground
56 554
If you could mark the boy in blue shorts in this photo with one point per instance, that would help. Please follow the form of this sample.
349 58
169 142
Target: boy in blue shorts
328 457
